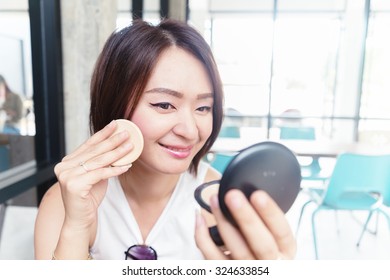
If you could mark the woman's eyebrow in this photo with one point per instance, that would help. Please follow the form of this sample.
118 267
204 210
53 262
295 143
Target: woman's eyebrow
178 94
165 91
205 96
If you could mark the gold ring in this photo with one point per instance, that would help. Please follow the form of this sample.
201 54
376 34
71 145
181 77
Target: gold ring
82 164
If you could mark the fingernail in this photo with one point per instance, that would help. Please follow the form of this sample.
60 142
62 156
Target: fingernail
123 167
261 199
127 145
236 200
127 167
124 134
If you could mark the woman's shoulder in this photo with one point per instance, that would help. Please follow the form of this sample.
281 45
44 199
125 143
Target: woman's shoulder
209 173
48 222
52 197
51 205
212 174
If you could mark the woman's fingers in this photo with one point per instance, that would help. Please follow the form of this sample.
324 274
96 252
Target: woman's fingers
234 241
98 156
262 230
98 137
274 218
80 180
96 151
255 232
204 242
107 157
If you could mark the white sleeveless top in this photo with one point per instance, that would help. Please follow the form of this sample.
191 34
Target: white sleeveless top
172 236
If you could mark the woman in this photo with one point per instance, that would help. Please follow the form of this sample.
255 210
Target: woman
12 104
164 79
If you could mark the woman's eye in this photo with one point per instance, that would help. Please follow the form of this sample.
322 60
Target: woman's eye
163 105
204 109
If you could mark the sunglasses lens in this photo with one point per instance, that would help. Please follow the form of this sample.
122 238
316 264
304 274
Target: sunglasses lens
141 252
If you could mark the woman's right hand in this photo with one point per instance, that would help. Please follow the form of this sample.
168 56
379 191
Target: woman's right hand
83 174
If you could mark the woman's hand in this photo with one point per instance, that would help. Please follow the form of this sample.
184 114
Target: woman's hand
83 174
263 231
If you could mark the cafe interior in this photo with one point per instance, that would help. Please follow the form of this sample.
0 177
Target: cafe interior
310 75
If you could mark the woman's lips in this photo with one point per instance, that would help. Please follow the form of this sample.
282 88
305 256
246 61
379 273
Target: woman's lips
179 152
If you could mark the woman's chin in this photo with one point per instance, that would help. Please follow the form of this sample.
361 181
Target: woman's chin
174 168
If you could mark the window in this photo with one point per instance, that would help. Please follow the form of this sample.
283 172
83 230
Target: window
312 63
150 11
42 73
375 102
17 125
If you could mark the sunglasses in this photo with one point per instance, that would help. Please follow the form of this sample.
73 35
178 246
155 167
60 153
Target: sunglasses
140 252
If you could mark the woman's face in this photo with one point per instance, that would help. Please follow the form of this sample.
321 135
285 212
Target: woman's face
175 112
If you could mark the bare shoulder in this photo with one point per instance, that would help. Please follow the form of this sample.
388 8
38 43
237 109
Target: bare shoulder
212 174
52 200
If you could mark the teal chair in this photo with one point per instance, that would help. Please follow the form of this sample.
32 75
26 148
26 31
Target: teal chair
380 210
357 183
220 161
311 169
229 132
297 133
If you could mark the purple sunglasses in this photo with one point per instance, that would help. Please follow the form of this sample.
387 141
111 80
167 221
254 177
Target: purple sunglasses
140 252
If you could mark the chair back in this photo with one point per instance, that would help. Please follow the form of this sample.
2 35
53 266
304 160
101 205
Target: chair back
386 196
310 167
357 173
230 132
297 133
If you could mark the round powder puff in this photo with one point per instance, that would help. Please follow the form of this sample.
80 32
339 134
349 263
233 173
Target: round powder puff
136 139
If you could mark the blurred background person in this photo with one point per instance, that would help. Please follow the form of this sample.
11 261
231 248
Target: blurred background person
11 108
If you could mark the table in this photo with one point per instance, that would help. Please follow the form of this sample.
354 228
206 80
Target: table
306 148
319 148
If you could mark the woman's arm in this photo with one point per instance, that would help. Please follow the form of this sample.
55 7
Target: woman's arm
67 217
51 236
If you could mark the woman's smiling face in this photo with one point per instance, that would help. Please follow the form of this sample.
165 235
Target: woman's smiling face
175 112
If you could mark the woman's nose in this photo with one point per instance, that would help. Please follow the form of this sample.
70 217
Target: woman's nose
186 126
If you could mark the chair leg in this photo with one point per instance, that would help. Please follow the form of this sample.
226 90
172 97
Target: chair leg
364 228
376 226
377 222
300 216
314 233
370 231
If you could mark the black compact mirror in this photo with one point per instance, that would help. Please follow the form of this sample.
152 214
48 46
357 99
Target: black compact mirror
268 166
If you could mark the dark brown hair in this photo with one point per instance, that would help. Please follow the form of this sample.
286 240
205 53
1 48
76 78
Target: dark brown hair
125 66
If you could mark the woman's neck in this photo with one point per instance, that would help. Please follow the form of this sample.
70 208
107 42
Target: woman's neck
142 185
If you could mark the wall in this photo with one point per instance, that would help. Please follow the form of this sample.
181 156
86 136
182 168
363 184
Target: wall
85 27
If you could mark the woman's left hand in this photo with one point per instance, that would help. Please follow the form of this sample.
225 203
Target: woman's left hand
263 231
